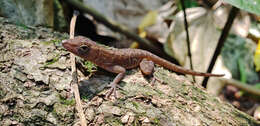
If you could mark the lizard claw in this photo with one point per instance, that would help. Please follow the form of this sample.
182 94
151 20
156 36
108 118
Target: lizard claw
112 90
111 85
153 81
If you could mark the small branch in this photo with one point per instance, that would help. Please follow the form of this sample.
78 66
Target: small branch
245 87
208 3
118 28
221 41
187 36
75 87
217 4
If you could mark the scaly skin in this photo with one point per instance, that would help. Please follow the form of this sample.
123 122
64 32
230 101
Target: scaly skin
118 60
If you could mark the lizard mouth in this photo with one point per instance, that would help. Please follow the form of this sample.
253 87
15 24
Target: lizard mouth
67 45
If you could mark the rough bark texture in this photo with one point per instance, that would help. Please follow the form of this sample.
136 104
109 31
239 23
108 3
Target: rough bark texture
35 89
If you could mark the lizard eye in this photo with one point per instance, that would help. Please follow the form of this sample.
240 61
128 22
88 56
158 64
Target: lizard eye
83 49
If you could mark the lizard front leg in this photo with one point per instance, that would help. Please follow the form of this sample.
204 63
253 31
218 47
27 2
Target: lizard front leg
121 72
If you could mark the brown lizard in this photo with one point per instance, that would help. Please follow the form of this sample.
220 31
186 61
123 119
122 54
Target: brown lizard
118 60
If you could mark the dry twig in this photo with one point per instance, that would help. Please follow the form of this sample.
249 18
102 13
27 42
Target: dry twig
74 83
245 87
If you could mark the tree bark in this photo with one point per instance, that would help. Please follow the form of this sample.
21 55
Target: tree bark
35 89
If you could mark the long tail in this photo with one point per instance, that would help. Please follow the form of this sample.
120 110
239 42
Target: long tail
176 68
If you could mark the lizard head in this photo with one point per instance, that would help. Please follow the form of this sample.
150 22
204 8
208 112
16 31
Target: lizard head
79 46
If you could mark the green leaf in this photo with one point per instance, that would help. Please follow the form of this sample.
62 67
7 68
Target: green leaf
242 70
257 85
257 57
148 20
187 4
252 6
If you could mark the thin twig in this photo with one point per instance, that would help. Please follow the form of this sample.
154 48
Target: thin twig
216 5
222 39
75 87
208 3
119 28
245 87
187 37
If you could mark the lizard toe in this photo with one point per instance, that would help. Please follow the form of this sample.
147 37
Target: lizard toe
111 91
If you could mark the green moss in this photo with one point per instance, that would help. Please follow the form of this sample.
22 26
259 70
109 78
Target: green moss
63 112
22 25
156 121
2 93
67 102
113 121
139 115
56 41
46 42
90 66
53 60
195 99
159 92
85 97
136 123
17 116
135 105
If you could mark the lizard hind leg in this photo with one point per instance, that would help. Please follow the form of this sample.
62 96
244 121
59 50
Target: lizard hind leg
147 68
121 72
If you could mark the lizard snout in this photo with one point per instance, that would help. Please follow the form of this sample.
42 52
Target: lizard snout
65 44
63 41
